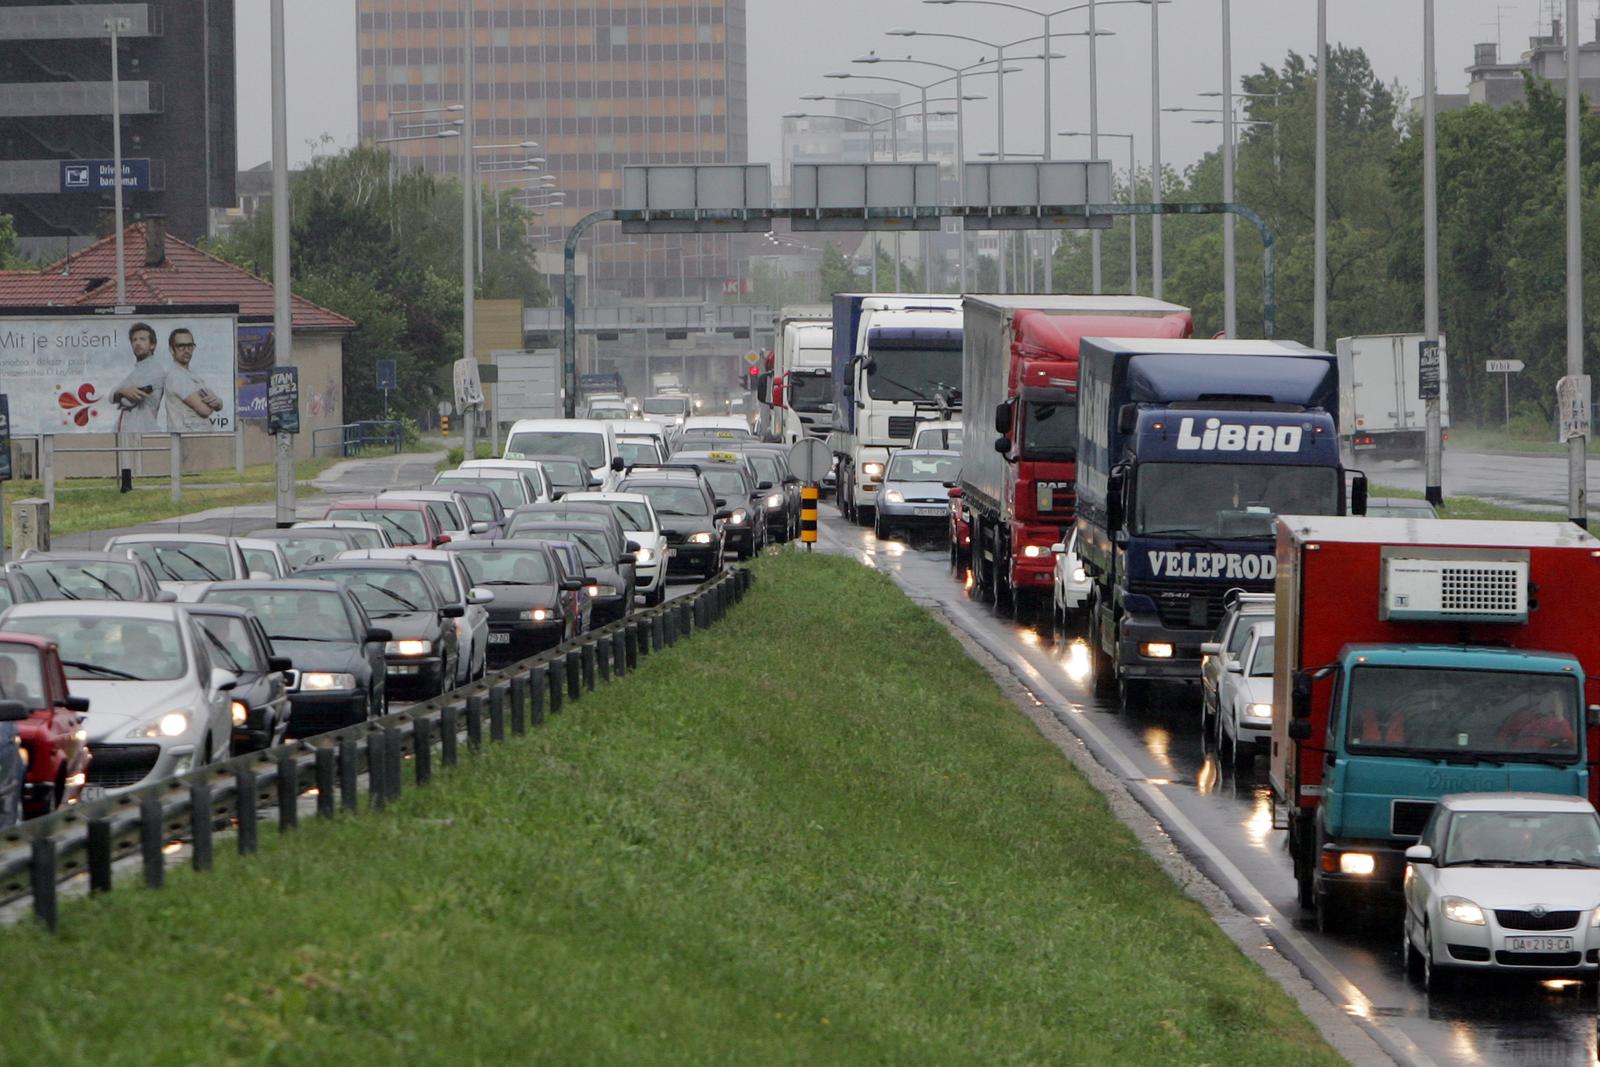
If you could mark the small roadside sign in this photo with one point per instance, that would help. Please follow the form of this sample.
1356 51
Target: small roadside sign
1504 366
386 374
1428 370
283 400
1572 401
468 385
810 460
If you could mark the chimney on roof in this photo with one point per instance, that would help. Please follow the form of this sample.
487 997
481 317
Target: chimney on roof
1486 55
155 240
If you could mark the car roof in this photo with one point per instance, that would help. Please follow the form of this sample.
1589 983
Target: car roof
664 478
942 452
494 542
583 496
306 533
79 556
1514 802
599 426
417 494
336 524
378 503
421 555
111 609
343 563
200 607
160 538
499 469
278 585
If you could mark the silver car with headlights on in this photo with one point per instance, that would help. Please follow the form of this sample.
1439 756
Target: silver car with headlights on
915 494
160 706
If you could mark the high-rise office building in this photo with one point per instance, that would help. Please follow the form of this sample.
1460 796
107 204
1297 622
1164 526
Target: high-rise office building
175 86
598 84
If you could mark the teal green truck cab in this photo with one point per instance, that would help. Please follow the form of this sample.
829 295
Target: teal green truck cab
1417 659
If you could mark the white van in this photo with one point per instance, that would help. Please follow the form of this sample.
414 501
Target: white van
591 440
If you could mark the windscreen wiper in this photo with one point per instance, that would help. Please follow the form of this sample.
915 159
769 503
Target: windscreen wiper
213 575
101 582
109 672
63 590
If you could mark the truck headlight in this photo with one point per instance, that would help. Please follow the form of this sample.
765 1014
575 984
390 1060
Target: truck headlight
1033 551
872 470
172 724
602 590
408 648
1258 711
1460 910
238 712
1357 863
1156 650
701 538
326 681
895 496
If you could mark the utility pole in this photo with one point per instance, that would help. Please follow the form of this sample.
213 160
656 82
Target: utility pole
469 219
1094 140
282 311
1577 447
1230 315
1433 445
1319 314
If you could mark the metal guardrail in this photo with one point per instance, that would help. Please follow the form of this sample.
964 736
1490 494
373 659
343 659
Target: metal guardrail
354 438
38 855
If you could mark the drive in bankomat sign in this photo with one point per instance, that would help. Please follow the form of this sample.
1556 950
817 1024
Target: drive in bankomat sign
169 373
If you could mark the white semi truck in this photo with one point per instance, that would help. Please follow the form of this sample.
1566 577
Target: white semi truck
797 390
1383 415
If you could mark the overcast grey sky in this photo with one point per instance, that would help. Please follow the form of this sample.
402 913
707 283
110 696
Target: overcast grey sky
792 45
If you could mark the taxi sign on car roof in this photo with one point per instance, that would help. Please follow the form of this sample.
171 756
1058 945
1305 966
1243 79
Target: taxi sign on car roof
726 434
723 457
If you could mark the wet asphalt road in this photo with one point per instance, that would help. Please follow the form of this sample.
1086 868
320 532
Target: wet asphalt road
1529 481
1224 824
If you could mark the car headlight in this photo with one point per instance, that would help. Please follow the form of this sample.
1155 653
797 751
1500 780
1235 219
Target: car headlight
872 470
1079 574
645 555
238 712
895 496
538 614
172 724
1258 711
775 501
1594 919
738 517
602 590
701 538
408 648
1462 910
323 681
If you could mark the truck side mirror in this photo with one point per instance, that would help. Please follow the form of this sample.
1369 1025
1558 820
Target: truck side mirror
1116 487
1127 417
1593 718
1002 417
1300 696
1358 493
1300 730
13 711
1002 444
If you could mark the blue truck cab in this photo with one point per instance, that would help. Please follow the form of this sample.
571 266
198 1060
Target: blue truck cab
1188 451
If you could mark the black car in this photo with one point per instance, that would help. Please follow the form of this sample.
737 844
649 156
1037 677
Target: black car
691 516
339 677
610 587
483 503
578 601
90 576
744 528
532 608
423 650
566 474
781 503
306 545
588 513
259 703
16 588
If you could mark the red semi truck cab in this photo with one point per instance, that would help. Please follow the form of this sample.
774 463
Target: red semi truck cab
1020 370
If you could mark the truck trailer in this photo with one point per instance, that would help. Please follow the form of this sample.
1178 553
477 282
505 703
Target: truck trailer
1019 368
896 362
1187 452
797 388
1417 658
1381 410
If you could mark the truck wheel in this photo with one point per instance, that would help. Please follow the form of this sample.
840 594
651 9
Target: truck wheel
1132 694
1331 917
1303 856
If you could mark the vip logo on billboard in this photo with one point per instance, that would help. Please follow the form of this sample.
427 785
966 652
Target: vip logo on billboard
1236 566
1219 436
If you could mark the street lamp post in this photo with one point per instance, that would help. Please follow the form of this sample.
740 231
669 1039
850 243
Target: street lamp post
116 26
282 311
1133 220
469 213
1157 276
1319 309
1230 320
1432 450
1577 447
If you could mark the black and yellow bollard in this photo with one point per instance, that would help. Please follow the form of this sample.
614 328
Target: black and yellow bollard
808 515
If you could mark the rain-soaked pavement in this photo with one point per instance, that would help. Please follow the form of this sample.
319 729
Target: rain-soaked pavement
1224 824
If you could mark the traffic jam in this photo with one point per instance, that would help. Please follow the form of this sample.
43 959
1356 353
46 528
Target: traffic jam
1400 706
164 652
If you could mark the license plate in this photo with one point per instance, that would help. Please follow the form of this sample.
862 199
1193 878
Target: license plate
1538 944
929 513
499 639
92 793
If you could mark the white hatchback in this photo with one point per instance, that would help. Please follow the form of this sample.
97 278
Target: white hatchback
640 524
1244 696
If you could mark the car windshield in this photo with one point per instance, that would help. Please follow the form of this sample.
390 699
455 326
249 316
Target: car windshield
766 466
610 413
259 560
302 550
638 451
21 675
383 592
665 405
405 527
1438 713
810 392
101 649
584 445
228 639
1522 838
360 536
59 579
509 489
1261 662
480 507
507 566
726 482
182 561
685 501
1049 431
292 615
567 473
442 576
909 468
1229 500
630 514
913 373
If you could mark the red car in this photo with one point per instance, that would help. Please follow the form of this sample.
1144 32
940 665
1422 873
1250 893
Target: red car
409 522
52 735
960 535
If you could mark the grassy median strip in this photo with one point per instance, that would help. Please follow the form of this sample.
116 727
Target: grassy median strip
816 834
1471 507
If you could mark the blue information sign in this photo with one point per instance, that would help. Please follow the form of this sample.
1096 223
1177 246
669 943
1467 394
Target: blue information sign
95 175
386 374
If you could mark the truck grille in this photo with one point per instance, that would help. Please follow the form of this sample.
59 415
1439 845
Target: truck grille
1407 817
1526 920
117 766
1190 609
902 426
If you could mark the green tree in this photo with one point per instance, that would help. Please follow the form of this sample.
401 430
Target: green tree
836 274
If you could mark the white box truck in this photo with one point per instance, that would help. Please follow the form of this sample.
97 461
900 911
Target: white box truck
1382 413
797 391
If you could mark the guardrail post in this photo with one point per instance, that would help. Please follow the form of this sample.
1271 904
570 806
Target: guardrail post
449 734
497 712
325 777
99 847
394 754
377 766
668 622
155 864
349 769
631 643
602 657
244 808
519 704
619 649
288 791
589 662
574 674
658 632
422 748
200 825
475 721
555 681
42 875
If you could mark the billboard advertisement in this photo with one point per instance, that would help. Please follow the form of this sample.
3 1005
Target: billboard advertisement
119 373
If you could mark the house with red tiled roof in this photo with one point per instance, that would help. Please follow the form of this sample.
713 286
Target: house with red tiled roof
162 271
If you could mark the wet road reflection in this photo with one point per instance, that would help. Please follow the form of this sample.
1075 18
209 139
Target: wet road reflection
1524 1022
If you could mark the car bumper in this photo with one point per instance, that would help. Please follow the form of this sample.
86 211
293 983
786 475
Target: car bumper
607 609
691 559
1492 947
414 675
256 733
317 713
118 768
923 514
647 576
523 639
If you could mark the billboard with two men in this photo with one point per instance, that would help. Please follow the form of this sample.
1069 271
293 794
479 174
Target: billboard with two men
119 374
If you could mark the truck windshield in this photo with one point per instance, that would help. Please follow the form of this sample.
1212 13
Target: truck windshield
811 392
1455 714
1229 500
913 373
1050 431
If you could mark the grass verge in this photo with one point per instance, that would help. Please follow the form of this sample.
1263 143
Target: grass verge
1517 439
1471 507
817 834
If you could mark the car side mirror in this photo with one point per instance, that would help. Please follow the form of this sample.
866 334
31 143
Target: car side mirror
379 635
76 703
571 585
1210 648
1116 488
790 479
222 681
595 483
720 502
1419 854
260 576
616 463
279 663
955 492
634 546
1300 696
479 595
1300 730
1002 417
442 539
166 596
478 528
1002 444
1233 666
1059 548
13 711
452 611
763 486
628 559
